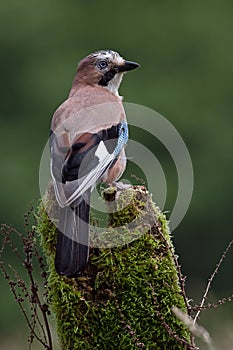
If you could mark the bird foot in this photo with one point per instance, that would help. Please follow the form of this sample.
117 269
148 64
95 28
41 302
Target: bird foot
121 186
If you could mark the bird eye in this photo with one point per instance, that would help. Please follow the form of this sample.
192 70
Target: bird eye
102 64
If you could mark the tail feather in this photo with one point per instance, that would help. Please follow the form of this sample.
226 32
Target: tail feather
73 238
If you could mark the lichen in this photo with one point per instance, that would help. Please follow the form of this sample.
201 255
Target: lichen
127 290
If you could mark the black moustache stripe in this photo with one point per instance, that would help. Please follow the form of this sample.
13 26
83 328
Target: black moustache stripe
107 77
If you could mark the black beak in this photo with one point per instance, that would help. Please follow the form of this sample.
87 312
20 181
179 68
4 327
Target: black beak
127 66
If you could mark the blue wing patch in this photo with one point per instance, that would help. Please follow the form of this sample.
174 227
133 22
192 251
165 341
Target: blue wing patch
122 138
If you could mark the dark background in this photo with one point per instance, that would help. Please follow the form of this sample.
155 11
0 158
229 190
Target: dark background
186 53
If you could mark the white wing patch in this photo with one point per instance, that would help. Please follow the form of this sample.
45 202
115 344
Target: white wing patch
101 151
70 191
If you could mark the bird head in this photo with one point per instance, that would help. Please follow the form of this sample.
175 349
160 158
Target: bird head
104 68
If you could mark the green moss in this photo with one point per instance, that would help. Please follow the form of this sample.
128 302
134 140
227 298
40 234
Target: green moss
126 290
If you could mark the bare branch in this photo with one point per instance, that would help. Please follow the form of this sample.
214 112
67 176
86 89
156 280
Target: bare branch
212 278
181 341
213 305
23 289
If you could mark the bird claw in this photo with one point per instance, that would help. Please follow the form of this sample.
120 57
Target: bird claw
120 187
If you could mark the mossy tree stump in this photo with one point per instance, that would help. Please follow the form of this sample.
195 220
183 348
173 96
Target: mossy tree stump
125 297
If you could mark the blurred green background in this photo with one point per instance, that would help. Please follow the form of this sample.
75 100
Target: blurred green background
185 49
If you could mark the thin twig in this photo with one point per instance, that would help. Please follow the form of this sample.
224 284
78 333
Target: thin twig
39 329
172 334
12 285
180 275
213 305
212 278
178 267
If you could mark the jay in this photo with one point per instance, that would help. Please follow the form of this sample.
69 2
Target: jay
87 139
